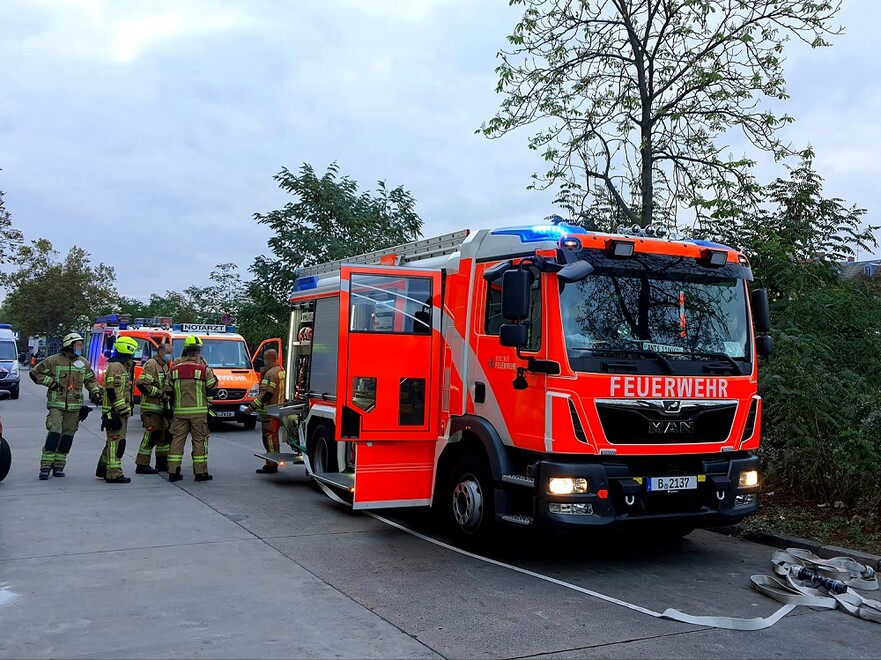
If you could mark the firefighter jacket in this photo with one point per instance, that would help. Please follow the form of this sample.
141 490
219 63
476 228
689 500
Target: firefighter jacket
271 388
65 375
190 381
118 387
152 384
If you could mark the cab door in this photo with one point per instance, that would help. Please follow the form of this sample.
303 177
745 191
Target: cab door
388 381
257 359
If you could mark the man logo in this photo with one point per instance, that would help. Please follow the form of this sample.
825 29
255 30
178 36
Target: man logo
672 407
671 427
222 394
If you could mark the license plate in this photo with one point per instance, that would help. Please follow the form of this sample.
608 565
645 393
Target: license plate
672 484
225 413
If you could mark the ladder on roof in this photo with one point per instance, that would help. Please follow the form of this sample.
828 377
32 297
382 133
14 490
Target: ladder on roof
424 248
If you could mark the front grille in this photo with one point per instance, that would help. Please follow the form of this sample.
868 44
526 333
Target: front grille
4 373
231 395
630 422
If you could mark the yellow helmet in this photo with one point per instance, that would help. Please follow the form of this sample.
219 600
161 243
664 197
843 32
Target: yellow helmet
192 341
125 346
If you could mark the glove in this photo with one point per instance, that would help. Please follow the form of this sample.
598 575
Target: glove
110 421
84 412
96 398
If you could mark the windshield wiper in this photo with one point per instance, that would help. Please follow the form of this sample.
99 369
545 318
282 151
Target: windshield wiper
631 351
724 357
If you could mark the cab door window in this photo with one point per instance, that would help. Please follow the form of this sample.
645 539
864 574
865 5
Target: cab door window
493 318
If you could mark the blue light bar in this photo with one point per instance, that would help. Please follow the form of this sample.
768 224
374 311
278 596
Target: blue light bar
230 328
538 233
6 326
306 283
178 326
709 244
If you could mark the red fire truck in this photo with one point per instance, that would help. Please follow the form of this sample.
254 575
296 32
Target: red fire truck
540 376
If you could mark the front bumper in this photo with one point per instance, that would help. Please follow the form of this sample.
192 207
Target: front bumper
228 411
618 496
10 384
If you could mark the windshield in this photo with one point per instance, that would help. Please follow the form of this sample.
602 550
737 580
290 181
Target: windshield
219 353
8 350
674 314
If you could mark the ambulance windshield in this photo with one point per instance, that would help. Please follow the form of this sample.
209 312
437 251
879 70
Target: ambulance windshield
219 353
641 313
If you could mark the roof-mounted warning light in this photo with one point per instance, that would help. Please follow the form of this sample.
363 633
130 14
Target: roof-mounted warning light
538 233
306 283
620 249
570 243
713 258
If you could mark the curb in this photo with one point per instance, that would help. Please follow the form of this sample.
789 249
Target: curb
786 541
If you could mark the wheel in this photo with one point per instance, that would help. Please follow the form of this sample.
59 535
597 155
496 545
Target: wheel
470 500
322 456
250 423
5 458
14 393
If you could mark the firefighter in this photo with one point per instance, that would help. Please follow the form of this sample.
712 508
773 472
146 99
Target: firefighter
117 409
271 388
64 374
191 383
154 403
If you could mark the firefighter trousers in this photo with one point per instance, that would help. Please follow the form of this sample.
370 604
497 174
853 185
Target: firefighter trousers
61 425
270 427
114 448
197 428
156 436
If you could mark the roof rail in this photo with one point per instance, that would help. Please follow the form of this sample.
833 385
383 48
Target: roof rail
424 248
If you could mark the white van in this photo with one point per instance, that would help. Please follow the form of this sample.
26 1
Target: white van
9 375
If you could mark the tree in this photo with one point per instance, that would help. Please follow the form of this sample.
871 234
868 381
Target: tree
329 219
821 423
10 238
635 98
48 296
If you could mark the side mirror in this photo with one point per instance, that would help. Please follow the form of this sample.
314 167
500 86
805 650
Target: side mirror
257 363
761 311
515 294
574 272
511 334
764 345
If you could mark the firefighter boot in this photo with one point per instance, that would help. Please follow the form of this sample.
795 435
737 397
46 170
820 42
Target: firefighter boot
122 479
58 472
101 471
175 476
44 474
204 477
146 469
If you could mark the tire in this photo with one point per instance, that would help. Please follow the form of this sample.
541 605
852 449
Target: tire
469 501
15 393
5 459
250 423
322 456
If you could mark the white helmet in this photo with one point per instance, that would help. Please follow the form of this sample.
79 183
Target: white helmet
71 339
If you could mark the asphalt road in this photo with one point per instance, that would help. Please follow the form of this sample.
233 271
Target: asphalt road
264 566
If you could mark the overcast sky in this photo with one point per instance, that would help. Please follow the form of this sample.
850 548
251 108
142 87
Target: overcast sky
128 127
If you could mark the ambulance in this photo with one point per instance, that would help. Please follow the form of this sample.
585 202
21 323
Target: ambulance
540 376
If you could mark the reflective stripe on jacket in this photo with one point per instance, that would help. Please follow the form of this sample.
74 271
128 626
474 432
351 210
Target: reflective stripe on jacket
152 384
70 373
190 382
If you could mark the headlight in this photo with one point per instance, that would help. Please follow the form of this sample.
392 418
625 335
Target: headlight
566 485
749 479
254 391
15 368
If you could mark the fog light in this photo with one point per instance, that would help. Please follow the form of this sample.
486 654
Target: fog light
749 479
749 498
566 485
571 509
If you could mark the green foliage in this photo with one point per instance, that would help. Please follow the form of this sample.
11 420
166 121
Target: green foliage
10 238
632 98
329 219
48 296
822 387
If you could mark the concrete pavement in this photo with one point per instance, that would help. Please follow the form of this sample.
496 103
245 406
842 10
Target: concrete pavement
263 566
